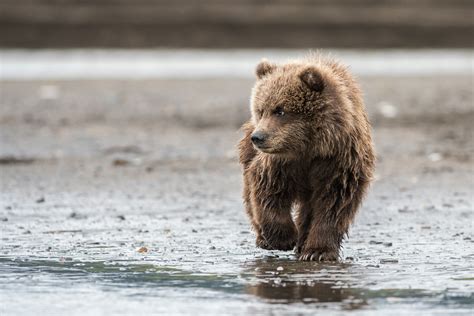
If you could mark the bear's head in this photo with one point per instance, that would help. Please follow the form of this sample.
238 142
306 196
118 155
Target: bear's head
298 107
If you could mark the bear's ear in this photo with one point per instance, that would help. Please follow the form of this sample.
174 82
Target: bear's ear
313 79
264 68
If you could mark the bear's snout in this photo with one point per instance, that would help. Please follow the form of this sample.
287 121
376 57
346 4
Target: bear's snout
258 138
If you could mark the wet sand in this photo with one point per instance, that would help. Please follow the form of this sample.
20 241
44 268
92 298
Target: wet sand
93 171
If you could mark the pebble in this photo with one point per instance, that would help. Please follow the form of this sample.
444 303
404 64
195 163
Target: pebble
374 242
372 266
405 209
76 215
280 269
388 260
142 250
387 109
434 157
120 162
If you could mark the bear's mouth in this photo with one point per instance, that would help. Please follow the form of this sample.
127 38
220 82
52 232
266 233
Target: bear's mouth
262 148
266 149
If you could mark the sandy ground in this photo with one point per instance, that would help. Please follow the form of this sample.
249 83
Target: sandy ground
93 170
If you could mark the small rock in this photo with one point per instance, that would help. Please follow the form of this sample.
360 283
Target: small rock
40 200
121 217
48 92
434 157
76 215
120 162
4 219
142 250
8 160
388 260
372 266
387 244
149 169
405 209
387 110
374 242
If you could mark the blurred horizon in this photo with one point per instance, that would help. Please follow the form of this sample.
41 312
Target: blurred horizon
243 24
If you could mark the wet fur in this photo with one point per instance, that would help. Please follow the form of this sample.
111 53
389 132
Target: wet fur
321 159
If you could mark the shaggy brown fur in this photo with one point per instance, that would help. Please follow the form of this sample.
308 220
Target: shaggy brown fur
307 147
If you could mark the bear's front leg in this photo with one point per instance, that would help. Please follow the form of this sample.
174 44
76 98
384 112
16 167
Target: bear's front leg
303 223
318 237
322 243
279 233
324 226
277 229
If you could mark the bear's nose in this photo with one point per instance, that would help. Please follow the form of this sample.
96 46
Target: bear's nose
258 138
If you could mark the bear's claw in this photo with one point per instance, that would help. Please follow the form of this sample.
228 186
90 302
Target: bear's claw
262 243
318 255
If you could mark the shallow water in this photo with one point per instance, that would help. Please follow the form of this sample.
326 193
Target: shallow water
266 285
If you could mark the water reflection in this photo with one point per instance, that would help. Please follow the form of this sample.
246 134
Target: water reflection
119 274
290 281
271 280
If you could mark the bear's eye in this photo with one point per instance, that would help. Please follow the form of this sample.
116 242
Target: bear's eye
279 111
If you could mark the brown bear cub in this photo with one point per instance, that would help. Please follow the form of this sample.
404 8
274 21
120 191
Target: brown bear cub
307 147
